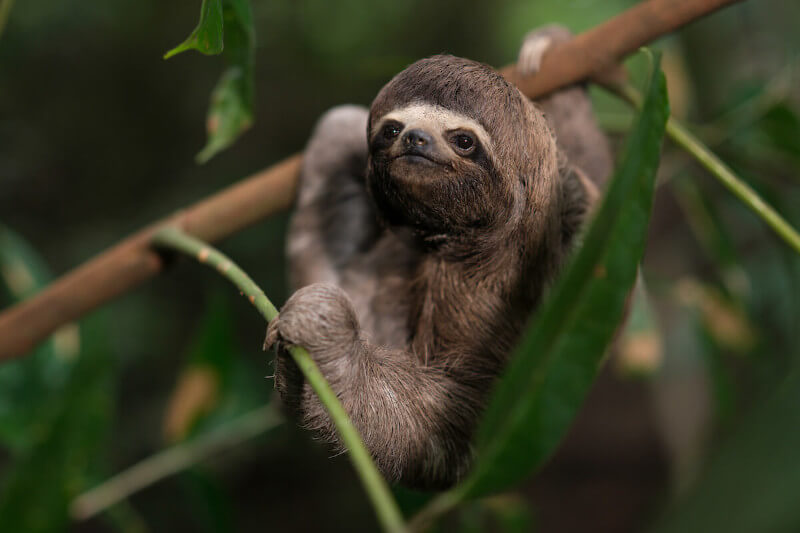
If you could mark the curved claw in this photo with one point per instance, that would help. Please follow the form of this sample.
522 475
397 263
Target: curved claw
272 334
530 56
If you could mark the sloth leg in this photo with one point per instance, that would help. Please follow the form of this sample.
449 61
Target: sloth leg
334 220
569 111
415 420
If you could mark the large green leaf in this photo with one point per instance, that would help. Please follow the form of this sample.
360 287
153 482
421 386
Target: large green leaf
207 36
558 357
232 102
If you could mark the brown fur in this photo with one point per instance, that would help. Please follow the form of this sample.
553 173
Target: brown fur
417 278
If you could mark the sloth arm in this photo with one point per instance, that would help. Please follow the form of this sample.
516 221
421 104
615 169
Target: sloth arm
415 419
334 221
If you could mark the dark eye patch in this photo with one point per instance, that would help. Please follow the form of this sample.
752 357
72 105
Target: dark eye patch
392 130
463 142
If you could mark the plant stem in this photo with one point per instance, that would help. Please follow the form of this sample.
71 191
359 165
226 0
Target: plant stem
682 137
173 460
377 489
695 147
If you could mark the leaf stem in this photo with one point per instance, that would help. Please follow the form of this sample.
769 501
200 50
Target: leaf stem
377 489
173 460
681 136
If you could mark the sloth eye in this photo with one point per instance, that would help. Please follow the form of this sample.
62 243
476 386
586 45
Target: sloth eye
390 131
464 142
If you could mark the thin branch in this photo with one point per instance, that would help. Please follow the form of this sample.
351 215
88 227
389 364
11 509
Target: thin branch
749 197
173 460
695 147
131 262
594 53
375 485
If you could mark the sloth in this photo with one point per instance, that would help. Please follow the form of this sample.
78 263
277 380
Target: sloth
426 230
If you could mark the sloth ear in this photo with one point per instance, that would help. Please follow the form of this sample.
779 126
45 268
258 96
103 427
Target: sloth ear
579 194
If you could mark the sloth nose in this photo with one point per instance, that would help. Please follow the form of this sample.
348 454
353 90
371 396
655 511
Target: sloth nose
417 138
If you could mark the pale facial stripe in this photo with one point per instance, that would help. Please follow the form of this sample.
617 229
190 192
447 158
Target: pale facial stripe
436 119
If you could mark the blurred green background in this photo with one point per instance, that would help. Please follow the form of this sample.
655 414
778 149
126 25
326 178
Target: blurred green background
691 427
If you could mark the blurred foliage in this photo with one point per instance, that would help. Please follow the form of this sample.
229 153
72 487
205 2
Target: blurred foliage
29 385
98 136
640 350
56 408
62 458
216 385
752 482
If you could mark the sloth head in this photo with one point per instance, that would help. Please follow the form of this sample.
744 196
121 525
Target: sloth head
455 149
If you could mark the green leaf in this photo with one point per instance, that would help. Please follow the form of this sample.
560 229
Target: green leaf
43 480
558 357
207 36
229 115
232 103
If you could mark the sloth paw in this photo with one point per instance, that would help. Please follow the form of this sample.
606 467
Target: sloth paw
316 317
534 46
530 55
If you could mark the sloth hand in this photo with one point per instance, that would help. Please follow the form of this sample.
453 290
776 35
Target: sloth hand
318 317
535 44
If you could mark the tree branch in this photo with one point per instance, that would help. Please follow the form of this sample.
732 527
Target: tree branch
132 261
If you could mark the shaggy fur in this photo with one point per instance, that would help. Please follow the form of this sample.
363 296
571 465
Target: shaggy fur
418 264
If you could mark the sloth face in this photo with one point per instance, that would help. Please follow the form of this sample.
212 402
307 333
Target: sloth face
456 150
430 169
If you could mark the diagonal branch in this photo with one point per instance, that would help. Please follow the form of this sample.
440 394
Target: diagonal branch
132 261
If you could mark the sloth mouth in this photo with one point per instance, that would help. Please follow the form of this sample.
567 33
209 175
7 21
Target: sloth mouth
420 157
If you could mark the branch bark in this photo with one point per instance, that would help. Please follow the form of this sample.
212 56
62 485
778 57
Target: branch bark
132 261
